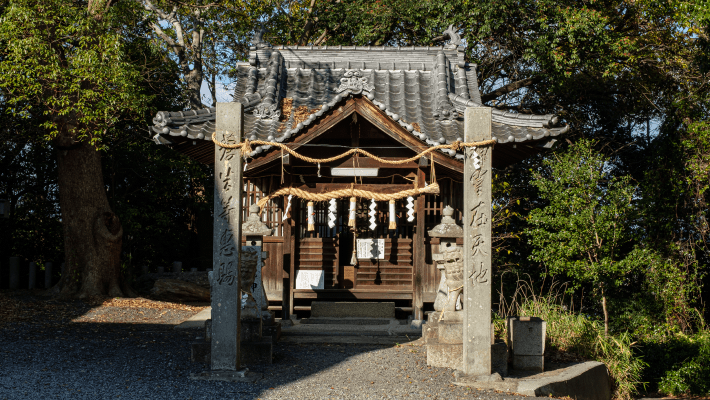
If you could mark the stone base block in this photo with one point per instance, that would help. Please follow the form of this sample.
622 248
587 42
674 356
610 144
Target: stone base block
252 353
444 355
200 352
243 375
330 309
257 352
450 332
529 363
251 329
451 356
273 330
499 357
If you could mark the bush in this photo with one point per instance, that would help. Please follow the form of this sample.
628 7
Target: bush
692 376
578 334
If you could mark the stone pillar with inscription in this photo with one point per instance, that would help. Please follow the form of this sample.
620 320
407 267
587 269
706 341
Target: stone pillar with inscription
477 244
225 276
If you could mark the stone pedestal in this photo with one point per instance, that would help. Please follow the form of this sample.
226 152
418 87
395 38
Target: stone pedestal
444 344
255 347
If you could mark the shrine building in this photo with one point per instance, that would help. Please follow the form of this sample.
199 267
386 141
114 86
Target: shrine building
321 101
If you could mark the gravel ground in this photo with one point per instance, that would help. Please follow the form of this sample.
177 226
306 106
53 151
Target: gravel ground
129 350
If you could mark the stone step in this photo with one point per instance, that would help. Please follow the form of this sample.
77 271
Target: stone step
332 309
350 321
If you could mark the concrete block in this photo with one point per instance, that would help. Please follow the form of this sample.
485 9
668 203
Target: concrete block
528 336
328 309
499 357
528 363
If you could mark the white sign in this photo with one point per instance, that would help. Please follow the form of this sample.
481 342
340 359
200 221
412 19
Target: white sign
310 279
371 248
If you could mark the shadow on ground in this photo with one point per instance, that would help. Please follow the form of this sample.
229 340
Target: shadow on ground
47 351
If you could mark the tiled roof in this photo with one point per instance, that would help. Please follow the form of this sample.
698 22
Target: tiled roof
424 89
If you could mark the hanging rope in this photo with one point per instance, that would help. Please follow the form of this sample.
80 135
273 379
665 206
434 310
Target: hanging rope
350 192
245 148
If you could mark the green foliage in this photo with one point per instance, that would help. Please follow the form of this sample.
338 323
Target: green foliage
71 65
693 374
584 232
578 335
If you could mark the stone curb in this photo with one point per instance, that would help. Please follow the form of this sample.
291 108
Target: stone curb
584 381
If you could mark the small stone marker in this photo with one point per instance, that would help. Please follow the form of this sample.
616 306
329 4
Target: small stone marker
33 275
527 339
48 275
177 266
14 272
477 244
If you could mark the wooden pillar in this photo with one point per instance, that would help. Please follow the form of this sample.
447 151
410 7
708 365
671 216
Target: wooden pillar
286 292
225 279
419 252
477 244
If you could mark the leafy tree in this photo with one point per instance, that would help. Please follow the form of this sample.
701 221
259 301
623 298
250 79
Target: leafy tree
586 230
66 64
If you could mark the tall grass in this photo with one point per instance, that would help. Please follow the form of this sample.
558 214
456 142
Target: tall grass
571 332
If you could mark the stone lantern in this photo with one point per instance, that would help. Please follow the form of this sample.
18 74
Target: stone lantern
254 302
450 261
443 331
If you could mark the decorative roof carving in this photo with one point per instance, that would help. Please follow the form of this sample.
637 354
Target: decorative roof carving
267 111
355 82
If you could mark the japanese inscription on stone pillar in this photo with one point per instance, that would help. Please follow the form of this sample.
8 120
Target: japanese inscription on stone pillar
225 279
477 244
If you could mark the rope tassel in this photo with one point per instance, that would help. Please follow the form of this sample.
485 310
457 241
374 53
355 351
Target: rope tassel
373 215
332 209
393 217
351 217
311 217
410 208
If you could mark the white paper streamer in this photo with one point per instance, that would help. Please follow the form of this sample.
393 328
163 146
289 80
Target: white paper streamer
373 213
311 216
393 217
288 207
410 208
476 158
351 215
332 209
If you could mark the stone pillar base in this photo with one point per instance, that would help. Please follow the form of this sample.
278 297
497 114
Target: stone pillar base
449 355
252 353
242 375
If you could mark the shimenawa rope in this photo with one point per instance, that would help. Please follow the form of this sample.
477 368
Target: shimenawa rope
245 148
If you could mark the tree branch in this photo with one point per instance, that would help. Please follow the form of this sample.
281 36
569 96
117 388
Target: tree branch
512 86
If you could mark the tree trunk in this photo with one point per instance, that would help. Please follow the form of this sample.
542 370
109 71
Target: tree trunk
606 315
193 79
92 232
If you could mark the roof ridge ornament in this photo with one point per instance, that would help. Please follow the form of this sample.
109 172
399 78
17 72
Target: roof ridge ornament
258 39
354 82
454 38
